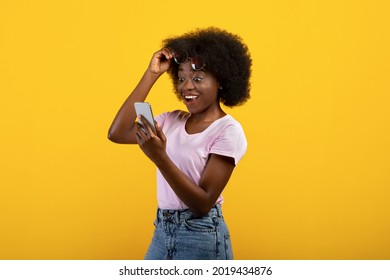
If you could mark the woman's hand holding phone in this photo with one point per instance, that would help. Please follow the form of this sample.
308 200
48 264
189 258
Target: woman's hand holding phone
149 135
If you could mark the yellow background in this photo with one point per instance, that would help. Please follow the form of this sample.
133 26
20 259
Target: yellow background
314 183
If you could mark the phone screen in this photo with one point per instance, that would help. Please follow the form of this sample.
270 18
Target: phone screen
145 109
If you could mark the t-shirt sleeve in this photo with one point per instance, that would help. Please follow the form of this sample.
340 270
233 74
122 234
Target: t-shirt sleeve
160 119
231 143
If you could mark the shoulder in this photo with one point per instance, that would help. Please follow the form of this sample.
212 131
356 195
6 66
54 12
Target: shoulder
232 132
174 114
171 116
231 125
231 140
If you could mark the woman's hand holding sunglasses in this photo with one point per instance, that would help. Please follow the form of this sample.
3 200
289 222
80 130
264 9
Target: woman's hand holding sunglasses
161 61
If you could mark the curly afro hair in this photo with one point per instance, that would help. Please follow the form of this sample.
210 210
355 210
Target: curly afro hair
226 56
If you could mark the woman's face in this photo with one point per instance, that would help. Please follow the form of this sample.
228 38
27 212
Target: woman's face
198 89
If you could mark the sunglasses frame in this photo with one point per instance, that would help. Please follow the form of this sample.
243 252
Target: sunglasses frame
193 65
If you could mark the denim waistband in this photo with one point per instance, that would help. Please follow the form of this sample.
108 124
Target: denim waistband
178 216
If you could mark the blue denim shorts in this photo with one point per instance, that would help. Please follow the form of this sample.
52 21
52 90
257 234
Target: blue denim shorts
182 235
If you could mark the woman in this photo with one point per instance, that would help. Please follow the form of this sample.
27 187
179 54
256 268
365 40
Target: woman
195 152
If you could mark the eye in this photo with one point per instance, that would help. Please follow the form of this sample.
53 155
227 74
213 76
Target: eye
181 80
197 79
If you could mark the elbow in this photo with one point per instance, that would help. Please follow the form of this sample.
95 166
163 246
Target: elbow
202 210
201 213
203 206
119 138
113 137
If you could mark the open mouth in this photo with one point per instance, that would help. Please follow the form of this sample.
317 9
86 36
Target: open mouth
190 98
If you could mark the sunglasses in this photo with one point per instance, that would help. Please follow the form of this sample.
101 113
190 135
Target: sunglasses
197 62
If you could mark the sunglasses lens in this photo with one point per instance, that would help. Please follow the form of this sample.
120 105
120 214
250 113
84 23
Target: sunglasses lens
197 62
180 57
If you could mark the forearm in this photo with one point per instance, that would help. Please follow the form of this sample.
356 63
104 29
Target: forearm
193 195
122 127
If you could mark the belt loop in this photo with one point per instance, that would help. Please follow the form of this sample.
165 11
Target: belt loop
177 216
158 215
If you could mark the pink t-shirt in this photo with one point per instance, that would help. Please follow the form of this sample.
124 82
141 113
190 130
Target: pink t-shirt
190 152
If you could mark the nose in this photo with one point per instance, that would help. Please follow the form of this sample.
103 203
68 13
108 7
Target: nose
188 84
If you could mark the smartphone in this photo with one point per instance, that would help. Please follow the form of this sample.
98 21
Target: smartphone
145 109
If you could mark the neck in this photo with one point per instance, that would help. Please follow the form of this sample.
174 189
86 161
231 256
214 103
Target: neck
209 115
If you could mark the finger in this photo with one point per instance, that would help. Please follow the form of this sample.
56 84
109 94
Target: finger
160 133
162 55
159 54
138 138
147 127
167 53
140 132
